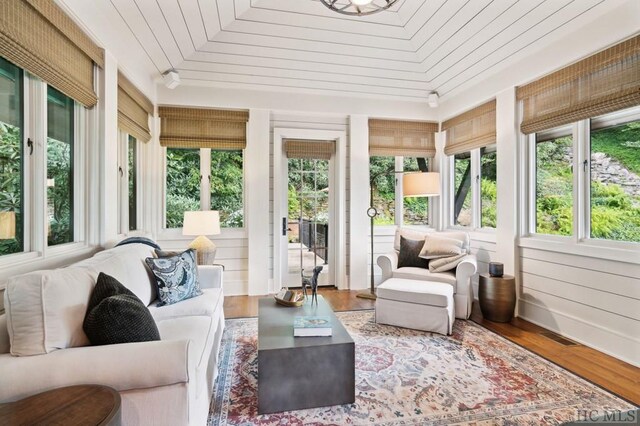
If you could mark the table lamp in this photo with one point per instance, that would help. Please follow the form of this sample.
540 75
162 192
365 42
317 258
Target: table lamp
7 225
201 224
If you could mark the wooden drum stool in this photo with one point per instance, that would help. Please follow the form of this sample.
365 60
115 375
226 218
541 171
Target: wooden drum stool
497 297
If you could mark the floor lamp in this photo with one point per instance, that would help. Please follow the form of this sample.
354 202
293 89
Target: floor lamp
414 184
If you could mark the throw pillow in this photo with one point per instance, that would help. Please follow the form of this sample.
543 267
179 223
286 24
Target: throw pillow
166 253
176 277
444 264
116 315
436 246
409 254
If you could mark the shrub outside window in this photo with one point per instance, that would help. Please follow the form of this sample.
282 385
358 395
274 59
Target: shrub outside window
226 186
183 184
60 159
554 182
615 180
488 186
462 214
11 159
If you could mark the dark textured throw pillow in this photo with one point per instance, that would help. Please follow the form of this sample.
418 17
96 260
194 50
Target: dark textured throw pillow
116 315
176 277
409 255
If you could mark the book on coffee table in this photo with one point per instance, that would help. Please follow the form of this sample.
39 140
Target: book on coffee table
311 326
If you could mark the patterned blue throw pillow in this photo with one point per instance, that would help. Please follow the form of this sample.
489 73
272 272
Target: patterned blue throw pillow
176 277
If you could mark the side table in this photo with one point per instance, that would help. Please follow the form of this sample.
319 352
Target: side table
71 405
497 297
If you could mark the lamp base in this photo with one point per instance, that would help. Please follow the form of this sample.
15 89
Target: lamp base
205 250
367 294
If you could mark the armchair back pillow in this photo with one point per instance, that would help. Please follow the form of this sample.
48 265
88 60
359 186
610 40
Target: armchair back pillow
436 246
409 255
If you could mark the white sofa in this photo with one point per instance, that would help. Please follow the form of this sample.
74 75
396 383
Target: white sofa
460 278
166 382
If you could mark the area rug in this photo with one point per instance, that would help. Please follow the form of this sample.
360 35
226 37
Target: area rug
407 377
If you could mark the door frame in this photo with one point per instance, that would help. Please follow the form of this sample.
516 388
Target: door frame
280 202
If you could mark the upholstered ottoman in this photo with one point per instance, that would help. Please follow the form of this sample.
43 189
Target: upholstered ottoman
421 305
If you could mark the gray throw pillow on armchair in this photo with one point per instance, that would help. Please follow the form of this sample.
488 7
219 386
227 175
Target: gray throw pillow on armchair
409 255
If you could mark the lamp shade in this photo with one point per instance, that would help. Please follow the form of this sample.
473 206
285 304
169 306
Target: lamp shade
7 225
201 223
421 184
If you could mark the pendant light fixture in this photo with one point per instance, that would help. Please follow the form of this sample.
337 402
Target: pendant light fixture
358 7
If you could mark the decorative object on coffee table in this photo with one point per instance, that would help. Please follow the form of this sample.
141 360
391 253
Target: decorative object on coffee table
497 297
200 224
71 405
311 282
496 269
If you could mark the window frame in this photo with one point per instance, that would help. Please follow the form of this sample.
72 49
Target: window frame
205 197
398 217
580 241
123 184
35 219
476 195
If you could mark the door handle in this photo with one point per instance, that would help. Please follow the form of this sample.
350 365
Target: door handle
284 226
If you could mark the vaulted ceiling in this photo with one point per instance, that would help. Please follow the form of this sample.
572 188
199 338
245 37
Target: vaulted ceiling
405 52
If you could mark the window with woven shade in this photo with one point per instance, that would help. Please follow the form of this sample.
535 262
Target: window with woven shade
133 110
471 130
39 37
218 129
602 83
402 138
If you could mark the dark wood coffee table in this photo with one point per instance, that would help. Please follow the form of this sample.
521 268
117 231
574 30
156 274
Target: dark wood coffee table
71 405
302 372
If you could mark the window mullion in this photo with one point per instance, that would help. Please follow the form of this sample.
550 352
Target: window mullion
582 181
399 200
578 184
205 181
475 189
38 179
531 206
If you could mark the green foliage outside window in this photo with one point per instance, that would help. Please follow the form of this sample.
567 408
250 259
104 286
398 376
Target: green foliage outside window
11 184
227 180
384 190
183 184
554 186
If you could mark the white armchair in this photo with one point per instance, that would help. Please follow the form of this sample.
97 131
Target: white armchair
460 278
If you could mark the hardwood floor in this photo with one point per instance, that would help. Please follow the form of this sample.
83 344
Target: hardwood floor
610 373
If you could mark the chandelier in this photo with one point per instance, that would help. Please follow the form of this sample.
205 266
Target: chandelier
358 7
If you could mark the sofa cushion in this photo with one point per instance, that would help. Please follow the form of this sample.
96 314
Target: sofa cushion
409 255
419 292
176 277
206 305
436 246
445 263
125 264
416 234
45 310
116 315
425 275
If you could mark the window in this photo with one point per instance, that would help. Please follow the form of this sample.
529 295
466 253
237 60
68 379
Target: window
132 183
183 184
11 159
226 186
462 189
488 186
415 210
606 199
554 182
615 179
60 153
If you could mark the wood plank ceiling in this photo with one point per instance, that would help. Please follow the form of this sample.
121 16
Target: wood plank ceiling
406 52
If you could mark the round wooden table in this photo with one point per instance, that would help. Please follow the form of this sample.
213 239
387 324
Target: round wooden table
71 405
497 297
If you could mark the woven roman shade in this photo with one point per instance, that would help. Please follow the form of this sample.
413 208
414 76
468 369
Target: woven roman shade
38 36
133 110
203 128
605 82
473 129
310 149
402 138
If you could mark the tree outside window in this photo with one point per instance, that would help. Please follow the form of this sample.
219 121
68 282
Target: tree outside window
183 184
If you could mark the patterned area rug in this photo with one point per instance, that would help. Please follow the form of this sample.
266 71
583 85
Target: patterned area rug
407 377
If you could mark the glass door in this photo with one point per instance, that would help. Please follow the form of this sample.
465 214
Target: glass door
308 224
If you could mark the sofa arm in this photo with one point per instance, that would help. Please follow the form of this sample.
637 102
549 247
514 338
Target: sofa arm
210 276
388 263
123 367
466 269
